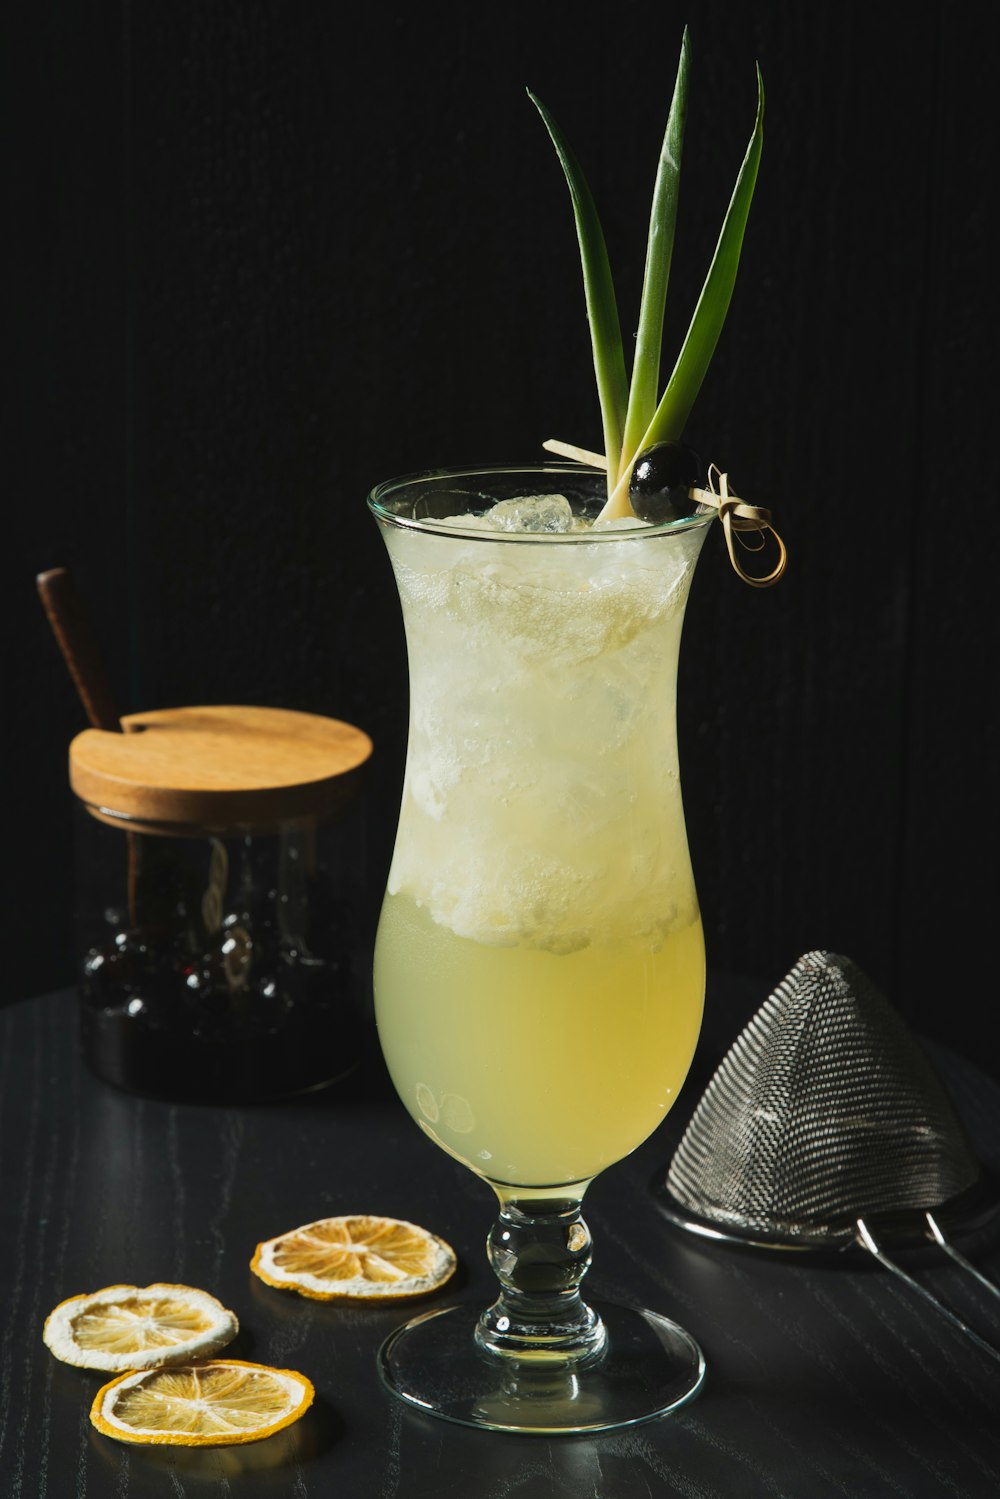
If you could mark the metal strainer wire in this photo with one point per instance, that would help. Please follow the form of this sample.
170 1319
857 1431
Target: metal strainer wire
825 1125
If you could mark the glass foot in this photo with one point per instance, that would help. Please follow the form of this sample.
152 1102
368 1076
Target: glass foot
649 1367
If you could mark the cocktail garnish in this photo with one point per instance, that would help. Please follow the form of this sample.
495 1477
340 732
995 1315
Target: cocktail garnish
633 420
736 515
359 1258
602 308
136 1327
214 1403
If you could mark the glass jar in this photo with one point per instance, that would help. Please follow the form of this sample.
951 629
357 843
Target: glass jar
219 872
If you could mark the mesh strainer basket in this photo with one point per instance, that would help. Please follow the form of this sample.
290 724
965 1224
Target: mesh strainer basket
825 1125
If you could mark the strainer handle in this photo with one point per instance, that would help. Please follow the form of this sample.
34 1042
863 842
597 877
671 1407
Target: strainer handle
867 1239
937 1234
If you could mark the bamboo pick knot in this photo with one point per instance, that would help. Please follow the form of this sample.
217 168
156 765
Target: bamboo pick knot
737 517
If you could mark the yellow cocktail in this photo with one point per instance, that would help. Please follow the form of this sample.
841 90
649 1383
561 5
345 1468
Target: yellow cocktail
537 1069
539 966
539 971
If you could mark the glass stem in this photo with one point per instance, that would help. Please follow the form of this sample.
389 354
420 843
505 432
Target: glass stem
540 1251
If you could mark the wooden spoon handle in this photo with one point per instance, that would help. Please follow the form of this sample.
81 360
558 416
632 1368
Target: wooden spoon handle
78 643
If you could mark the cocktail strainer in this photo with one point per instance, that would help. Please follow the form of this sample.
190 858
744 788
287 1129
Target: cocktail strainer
824 1126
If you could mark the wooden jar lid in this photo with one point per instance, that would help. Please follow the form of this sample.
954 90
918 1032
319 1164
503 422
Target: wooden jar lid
220 768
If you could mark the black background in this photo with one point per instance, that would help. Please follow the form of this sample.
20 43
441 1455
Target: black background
267 254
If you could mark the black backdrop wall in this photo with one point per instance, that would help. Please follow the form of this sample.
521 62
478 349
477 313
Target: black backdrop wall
268 254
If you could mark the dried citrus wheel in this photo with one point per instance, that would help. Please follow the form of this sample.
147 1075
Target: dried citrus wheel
362 1258
137 1327
212 1404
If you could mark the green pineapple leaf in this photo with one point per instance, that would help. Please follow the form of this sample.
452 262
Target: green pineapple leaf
703 334
645 382
602 308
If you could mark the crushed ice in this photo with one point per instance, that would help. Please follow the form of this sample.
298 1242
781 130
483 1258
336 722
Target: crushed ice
536 514
620 523
531 512
464 522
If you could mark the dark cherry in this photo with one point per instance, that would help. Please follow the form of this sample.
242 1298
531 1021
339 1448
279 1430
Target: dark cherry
662 478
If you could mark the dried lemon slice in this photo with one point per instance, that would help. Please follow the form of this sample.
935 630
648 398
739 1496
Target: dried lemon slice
213 1404
363 1258
137 1327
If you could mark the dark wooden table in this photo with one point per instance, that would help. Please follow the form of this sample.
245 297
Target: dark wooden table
826 1378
